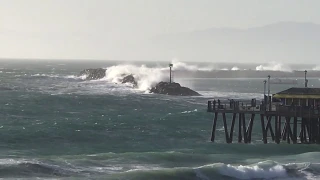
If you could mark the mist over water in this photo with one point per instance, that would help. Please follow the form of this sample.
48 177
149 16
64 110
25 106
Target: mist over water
55 124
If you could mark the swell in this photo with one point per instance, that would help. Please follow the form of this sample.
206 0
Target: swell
16 168
261 170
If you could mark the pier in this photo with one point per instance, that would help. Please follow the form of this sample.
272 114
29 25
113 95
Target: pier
291 116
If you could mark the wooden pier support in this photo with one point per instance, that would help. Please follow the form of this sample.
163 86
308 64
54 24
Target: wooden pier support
295 130
240 132
232 127
318 138
281 128
264 129
214 126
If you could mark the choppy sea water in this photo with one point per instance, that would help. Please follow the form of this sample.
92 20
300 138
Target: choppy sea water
56 125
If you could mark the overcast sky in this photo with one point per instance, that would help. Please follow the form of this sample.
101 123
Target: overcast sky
107 29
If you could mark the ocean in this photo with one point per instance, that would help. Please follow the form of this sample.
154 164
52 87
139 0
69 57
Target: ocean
54 124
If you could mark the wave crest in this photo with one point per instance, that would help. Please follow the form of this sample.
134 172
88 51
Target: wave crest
317 68
253 172
264 170
181 66
146 77
273 66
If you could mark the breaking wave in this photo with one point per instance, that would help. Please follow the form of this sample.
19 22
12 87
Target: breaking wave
83 77
254 172
274 66
30 168
317 68
235 68
147 77
262 170
181 66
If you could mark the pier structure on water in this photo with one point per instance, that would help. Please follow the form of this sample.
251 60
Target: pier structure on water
292 115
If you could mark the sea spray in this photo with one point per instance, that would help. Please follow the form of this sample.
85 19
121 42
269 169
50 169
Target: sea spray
177 65
43 75
273 66
317 68
235 68
253 172
146 77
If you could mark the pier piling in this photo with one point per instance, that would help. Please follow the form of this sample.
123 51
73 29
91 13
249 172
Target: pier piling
280 123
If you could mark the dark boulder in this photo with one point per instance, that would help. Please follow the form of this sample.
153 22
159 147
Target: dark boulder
94 74
129 79
173 89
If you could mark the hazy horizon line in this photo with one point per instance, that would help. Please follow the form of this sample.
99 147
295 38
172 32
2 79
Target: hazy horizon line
128 61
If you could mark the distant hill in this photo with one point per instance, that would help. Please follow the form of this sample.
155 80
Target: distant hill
286 42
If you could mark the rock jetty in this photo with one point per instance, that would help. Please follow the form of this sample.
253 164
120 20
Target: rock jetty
173 89
129 79
94 74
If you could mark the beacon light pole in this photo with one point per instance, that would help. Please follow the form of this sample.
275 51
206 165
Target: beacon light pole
268 99
264 94
170 66
268 86
264 88
305 79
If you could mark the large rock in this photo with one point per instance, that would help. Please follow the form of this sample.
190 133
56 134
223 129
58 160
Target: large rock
173 89
94 74
130 79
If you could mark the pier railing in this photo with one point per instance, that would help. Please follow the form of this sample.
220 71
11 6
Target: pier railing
235 106
262 108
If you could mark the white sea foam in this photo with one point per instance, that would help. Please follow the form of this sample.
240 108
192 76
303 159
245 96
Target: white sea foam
317 68
83 77
144 168
45 75
187 112
146 77
235 68
254 172
273 66
10 161
177 65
